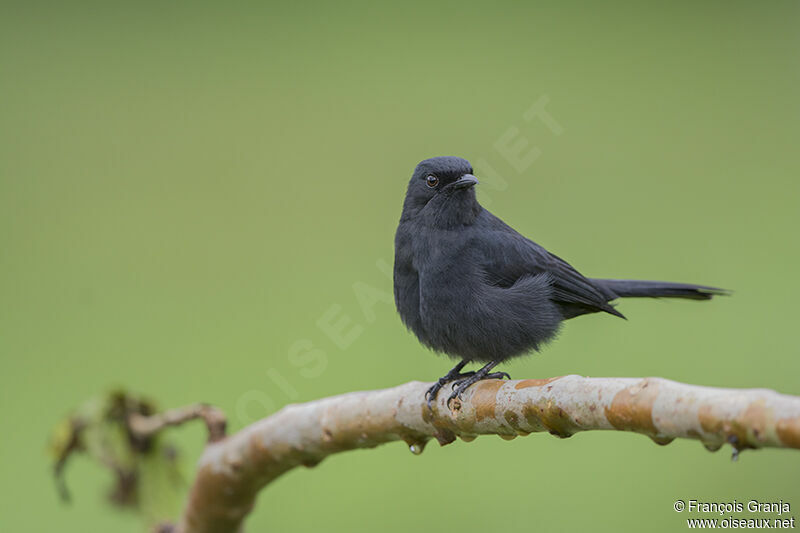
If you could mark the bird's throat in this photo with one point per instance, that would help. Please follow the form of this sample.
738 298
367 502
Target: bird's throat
459 208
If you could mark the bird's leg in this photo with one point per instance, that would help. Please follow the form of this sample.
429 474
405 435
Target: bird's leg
461 385
454 373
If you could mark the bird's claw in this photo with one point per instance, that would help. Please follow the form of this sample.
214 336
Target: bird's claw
493 375
458 389
430 394
460 386
450 399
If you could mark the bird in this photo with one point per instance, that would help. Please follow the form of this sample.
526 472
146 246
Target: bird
471 287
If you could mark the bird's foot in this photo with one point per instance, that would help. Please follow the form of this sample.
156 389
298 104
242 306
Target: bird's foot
455 373
461 385
430 395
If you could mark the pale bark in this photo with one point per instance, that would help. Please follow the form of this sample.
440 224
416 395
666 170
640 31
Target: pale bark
234 469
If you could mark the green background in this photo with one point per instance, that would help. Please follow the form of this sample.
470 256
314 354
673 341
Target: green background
185 188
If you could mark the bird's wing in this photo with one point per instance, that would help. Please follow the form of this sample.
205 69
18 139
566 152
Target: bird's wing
510 256
571 287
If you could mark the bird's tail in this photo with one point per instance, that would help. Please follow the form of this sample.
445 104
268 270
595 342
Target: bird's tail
628 288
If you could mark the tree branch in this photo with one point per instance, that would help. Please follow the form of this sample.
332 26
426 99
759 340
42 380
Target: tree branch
233 469
143 426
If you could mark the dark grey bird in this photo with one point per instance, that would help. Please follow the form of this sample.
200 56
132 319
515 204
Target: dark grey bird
470 286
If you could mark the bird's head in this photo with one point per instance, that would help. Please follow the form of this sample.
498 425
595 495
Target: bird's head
441 191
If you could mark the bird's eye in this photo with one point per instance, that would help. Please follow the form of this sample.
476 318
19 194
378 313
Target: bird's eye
432 181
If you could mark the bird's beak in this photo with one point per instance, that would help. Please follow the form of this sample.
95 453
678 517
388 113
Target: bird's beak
465 182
